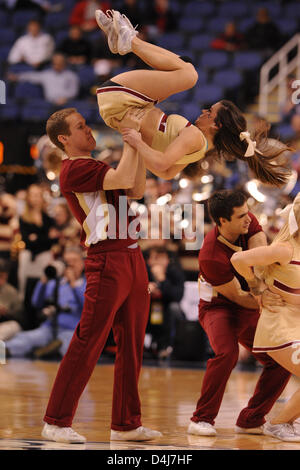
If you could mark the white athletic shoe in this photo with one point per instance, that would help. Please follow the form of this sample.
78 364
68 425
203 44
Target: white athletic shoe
258 430
58 434
105 22
138 434
284 432
201 429
125 31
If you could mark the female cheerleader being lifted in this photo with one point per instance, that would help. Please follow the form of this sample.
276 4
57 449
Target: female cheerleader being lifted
171 143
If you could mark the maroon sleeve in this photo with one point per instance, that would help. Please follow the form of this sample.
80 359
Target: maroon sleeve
254 226
216 272
85 175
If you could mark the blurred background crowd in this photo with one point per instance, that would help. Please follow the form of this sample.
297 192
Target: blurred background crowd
53 55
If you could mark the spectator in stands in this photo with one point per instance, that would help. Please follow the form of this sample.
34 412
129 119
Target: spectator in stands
132 10
160 18
83 13
230 40
166 285
34 48
11 305
59 84
35 228
264 36
75 47
67 229
151 193
63 311
103 60
9 224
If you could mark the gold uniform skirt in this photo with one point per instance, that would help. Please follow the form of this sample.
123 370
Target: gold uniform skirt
115 101
277 330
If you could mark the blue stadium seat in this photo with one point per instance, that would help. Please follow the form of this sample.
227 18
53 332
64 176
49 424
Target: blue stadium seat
28 91
202 76
228 78
57 21
234 9
245 24
170 41
20 67
199 8
247 60
191 24
217 25
190 111
208 94
36 110
292 10
7 36
288 26
86 75
86 108
214 59
4 51
200 42
183 96
10 111
274 8
4 19
22 17
285 131
59 36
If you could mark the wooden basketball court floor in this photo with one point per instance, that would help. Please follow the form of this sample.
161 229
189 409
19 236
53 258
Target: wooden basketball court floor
168 398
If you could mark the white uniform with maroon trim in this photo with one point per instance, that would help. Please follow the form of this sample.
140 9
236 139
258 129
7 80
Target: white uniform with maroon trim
114 101
280 330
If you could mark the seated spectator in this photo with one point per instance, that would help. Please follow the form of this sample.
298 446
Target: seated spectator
34 48
160 18
35 227
66 229
166 285
83 14
264 36
61 301
76 48
230 40
9 224
11 305
59 84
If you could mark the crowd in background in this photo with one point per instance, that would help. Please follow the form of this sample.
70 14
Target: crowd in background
41 262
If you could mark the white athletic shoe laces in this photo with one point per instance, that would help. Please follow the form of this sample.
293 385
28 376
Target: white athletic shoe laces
139 434
284 431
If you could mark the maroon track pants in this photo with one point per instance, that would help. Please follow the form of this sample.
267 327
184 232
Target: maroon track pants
226 326
116 297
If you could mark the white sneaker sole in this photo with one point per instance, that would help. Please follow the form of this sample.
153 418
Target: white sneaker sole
64 441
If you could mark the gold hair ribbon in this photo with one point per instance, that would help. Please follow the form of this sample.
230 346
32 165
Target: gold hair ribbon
251 149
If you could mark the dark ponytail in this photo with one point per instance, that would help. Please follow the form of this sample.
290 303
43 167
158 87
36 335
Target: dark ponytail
227 144
194 170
